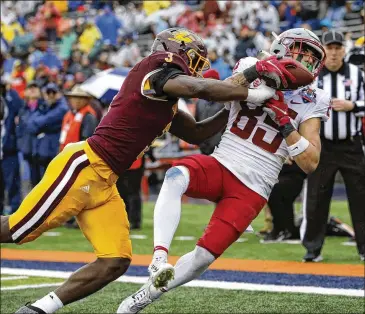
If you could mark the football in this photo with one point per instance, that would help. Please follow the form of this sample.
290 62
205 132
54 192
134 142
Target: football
302 75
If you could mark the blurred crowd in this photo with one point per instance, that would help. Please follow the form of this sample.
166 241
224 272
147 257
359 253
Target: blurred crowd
49 48
66 42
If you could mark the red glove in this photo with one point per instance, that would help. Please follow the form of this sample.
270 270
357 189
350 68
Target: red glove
275 69
277 110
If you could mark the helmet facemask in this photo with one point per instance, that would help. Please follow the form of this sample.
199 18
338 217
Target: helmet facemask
308 52
197 63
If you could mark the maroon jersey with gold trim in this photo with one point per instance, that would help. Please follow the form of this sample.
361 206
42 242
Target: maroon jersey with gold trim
137 116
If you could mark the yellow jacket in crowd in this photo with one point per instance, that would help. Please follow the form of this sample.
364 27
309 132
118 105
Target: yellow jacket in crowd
153 6
88 38
8 31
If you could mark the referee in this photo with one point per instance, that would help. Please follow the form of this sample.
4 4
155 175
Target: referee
341 150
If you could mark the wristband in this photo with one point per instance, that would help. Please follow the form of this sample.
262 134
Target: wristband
286 129
299 147
251 74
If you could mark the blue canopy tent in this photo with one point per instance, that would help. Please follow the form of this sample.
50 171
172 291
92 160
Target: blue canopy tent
106 84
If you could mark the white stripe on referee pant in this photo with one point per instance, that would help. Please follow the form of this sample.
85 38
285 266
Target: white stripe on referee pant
303 225
51 198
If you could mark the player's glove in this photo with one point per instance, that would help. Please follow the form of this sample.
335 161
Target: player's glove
277 109
271 69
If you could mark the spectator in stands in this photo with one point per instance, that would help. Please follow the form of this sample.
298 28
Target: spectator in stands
11 30
127 56
153 6
90 35
269 17
109 26
206 109
74 65
87 68
10 161
45 124
80 121
49 16
18 78
32 100
50 59
245 46
218 64
41 76
68 39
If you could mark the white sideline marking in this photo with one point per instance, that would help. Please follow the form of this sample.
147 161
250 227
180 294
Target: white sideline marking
52 234
349 243
138 236
195 283
23 287
14 278
185 238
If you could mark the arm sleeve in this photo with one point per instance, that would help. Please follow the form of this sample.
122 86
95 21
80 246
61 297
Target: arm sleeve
160 78
88 125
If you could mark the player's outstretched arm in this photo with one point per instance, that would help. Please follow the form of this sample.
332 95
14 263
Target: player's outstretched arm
209 89
185 127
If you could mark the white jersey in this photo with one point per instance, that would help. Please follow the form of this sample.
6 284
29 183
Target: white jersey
252 147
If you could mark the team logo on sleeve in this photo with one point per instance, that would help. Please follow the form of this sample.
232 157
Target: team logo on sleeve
308 95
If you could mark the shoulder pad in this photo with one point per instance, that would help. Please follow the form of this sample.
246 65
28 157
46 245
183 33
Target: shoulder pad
244 63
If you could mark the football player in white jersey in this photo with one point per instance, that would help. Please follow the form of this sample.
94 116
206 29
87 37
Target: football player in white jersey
242 170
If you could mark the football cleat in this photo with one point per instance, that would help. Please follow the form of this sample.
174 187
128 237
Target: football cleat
30 309
137 301
161 273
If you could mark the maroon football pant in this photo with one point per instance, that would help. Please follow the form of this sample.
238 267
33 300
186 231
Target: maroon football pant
236 204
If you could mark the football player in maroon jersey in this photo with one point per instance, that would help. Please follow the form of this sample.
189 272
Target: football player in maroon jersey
80 181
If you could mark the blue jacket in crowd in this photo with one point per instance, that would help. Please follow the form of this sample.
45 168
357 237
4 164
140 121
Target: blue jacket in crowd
45 125
25 138
222 67
13 104
109 26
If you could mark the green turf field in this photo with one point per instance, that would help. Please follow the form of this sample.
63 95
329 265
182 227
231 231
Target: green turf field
194 218
190 300
193 300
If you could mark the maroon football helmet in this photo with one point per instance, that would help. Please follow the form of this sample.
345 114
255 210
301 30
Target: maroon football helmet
187 45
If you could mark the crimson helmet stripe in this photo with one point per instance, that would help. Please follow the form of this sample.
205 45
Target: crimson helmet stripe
51 198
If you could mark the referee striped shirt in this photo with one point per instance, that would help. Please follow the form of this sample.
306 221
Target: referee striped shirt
348 84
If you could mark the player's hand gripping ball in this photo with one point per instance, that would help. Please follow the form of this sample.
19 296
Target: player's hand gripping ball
295 75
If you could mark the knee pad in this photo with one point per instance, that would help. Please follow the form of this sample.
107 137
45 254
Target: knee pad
178 177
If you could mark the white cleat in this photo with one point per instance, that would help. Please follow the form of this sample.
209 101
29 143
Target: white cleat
161 273
137 301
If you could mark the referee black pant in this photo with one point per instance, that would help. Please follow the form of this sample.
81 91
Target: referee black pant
129 188
347 157
282 197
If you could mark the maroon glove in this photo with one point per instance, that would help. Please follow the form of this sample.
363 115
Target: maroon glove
277 110
271 69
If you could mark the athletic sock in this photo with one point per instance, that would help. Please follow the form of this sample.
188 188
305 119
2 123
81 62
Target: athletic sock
168 206
49 304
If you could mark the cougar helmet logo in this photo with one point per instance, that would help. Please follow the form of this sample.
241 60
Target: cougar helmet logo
182 36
